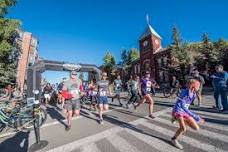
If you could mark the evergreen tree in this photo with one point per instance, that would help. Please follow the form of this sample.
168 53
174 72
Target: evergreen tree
8 47
109 63
209 55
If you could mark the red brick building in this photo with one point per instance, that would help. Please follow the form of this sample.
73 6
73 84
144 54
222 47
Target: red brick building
29 54
153 57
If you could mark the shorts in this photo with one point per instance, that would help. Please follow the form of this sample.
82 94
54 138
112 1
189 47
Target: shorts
103 100
47 96
177 115
71 105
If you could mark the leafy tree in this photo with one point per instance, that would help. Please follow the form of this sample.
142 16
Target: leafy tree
133 54
222 48
180 56
209 55
8 48
109 63
4 5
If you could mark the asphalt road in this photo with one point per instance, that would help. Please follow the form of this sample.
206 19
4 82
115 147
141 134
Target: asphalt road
125 130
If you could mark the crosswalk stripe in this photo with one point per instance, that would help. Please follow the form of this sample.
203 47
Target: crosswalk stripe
212 114
152 141
87 140
121 144
90 148
201 132
207 124
193 142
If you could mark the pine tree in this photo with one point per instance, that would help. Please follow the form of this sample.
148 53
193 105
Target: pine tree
8 48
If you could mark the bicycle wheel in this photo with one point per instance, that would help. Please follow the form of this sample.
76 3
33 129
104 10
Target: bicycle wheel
2 126
42 120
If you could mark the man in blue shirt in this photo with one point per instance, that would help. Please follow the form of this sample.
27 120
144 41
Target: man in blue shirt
220 85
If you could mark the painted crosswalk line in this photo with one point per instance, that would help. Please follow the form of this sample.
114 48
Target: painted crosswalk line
203 132
121 144
207 124
193 142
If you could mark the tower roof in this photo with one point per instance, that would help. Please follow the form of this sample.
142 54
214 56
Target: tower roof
149 30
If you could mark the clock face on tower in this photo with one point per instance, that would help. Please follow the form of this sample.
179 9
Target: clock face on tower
145 43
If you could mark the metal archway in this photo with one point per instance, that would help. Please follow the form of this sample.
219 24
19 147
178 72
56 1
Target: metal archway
34 72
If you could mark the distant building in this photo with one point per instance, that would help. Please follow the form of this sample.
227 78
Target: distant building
153 57
29 55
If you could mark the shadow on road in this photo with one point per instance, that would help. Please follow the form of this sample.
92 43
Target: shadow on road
54 114
132 127
18 143
216 121
162 103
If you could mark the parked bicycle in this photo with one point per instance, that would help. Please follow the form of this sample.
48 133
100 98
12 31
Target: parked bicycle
21 116
169 91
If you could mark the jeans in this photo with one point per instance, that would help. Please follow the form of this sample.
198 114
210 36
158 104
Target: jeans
221 92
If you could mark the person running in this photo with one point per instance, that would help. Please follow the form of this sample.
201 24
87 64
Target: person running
146 86
59 89
175 86
134 87
103 91
93 95
117 89
182 114
128 86
72 92
220 79
200 78
47 93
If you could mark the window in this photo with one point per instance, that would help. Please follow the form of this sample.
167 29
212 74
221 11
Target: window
159 62
165 61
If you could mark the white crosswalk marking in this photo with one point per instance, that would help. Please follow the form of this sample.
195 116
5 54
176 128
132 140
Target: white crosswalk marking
153 141
225 116
160 143
201 132
188 140
207 124
90 148
121 144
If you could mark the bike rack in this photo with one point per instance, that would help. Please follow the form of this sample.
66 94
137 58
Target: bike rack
39 144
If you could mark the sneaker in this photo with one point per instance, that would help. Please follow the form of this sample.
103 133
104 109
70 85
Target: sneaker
67 127
176 144
101 121
151 116
135 107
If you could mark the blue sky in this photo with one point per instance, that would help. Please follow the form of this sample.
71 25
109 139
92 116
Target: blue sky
81 31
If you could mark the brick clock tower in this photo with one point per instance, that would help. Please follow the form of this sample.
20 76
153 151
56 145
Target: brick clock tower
149 44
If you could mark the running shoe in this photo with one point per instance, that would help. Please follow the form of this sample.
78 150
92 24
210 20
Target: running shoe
151 116
101 121
67 127
176 144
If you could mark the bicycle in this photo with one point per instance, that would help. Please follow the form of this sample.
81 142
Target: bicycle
21 117
169 91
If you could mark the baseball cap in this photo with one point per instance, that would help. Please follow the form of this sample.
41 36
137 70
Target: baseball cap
104 74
